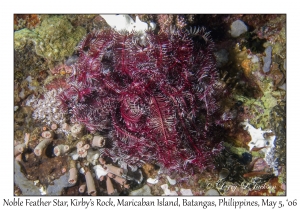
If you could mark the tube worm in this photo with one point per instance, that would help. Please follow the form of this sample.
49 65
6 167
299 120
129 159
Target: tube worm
111 175
86 146
47 134
109 186
82 188
82 152
72 172
66 127
77 130
18 157
82 147
60 150
83 143
90 183
127 186
102 161
79 144
120 180
19 149
41 146
98 141
113 169
26 138
53 126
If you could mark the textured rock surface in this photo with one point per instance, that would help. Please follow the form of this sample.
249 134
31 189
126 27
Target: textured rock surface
27 187
145 190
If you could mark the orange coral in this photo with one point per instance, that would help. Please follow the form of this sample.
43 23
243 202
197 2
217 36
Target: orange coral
246 64
149 170
29 20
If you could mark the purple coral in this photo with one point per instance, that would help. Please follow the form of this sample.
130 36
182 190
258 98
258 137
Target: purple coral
157 97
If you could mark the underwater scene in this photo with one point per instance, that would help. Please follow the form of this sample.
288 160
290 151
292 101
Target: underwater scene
149 104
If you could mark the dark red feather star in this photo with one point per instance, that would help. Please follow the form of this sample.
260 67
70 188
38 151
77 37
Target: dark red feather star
158 97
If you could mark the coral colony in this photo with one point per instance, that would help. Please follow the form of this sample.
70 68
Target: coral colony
156 98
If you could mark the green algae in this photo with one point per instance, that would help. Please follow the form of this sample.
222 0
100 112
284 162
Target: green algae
260 108
240 150
54 39
22 37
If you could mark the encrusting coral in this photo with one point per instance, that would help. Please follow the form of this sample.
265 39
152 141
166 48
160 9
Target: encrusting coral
54 39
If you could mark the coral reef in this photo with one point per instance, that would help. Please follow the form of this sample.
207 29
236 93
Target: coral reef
161 111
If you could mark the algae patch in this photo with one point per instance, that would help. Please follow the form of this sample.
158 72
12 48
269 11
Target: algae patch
54 39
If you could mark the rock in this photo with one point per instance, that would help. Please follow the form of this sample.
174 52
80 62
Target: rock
27 187
223 173
238 27
152 181
283 87
186 191
212 192
59 185
222 57
145 190
259 165
167 191
171 181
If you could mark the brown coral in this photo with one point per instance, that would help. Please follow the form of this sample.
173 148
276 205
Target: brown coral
26 20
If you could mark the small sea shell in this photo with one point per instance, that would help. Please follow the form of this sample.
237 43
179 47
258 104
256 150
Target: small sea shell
223 173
